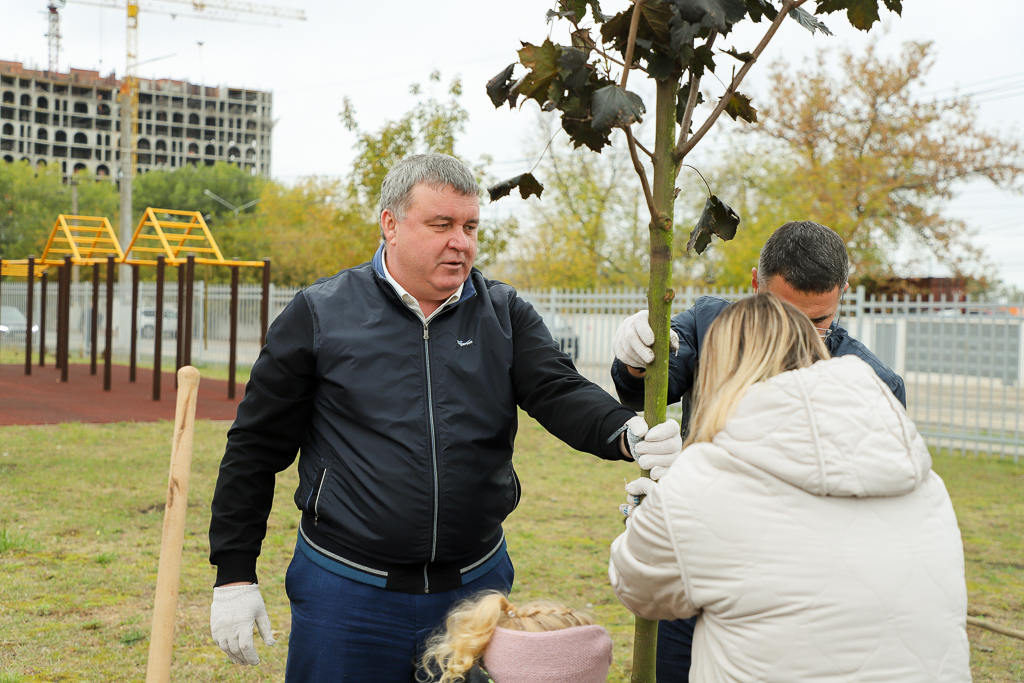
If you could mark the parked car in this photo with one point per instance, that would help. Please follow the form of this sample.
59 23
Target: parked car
13 324
562 332
147 322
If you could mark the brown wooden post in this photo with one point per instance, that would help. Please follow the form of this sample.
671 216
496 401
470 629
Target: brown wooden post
190 276
66 342
108 352
57 357
158 325
134 346
233 334
95 319
29 302
180 320
265 303
42 320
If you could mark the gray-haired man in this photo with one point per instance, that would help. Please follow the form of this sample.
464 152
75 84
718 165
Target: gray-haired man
803 263
399 380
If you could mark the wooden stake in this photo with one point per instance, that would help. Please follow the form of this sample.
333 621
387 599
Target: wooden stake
161 639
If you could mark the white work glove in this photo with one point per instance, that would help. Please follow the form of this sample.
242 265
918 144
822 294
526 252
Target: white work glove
633 340
232 614
654 449
635 491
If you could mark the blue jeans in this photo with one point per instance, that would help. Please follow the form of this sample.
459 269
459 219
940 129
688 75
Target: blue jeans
675 642
343 630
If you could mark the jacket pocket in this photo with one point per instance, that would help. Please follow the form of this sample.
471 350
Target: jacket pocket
517 484
313 499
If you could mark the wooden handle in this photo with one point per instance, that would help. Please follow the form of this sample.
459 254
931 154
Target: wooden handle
166 601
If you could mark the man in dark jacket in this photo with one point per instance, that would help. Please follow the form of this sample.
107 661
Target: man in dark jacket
399 380
803 263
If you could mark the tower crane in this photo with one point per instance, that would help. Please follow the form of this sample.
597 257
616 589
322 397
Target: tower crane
128 98
53 32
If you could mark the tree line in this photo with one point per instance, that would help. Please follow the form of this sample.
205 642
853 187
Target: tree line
856 148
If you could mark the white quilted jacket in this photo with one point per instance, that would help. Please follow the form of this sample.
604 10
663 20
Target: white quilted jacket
811 536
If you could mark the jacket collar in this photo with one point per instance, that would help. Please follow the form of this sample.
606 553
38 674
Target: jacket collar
468 289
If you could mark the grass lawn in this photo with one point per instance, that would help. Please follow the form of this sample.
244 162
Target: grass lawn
81 516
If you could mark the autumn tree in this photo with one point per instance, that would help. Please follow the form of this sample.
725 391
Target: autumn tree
31 197
862 152
673 42
590 230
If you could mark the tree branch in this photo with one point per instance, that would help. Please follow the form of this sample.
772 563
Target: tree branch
634 23
691 101
640 172
683 149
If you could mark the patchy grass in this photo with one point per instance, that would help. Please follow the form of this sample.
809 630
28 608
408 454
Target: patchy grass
81 516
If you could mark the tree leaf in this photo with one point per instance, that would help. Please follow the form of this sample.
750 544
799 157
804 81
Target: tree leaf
573 68
681 37
808 21
542 61
739 107
653 26
723 13
583 134
527 184
861 13
706 57
552 15
613 107
581 39
660 67
682 98
742 56
499 88
757 8
717 218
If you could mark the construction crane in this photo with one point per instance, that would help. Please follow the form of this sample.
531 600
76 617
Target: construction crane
128 98
53 32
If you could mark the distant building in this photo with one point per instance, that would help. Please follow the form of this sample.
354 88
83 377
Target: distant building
72 119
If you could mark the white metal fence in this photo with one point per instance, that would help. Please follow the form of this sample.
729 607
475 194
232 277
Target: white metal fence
961 361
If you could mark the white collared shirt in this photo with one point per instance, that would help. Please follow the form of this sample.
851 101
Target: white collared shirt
410 301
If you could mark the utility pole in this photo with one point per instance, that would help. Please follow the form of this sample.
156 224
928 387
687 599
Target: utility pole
74 212
128 107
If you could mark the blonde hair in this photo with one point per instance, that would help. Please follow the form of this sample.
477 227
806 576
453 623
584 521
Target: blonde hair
470 626
751 341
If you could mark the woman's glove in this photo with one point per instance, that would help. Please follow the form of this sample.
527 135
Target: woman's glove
232 614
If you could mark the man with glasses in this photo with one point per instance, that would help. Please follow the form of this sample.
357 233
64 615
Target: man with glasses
803 263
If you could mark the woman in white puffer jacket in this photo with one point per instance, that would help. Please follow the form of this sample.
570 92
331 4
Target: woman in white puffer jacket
802 523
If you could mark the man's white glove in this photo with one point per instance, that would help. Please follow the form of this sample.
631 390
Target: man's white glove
654 449
633 340
232 614
635 491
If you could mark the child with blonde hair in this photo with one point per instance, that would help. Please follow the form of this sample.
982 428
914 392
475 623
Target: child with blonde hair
539 642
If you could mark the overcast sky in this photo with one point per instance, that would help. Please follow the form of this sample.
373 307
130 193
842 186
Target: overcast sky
371 52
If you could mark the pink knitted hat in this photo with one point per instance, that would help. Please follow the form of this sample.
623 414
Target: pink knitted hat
581 654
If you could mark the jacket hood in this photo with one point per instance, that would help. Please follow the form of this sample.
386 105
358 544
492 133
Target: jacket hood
832 429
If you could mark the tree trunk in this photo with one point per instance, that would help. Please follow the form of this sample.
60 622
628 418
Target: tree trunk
659 303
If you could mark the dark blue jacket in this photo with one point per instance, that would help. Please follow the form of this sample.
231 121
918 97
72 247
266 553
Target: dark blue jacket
692 324
405 428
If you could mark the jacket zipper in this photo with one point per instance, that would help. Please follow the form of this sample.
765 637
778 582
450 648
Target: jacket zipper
316 502
433 454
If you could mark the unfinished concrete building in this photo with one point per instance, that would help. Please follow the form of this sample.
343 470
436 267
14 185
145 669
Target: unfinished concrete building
72 119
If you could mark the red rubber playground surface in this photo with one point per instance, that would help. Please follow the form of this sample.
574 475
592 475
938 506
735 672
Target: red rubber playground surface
43 399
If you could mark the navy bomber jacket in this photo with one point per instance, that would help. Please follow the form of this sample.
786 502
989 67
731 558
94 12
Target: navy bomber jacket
692 324
405 429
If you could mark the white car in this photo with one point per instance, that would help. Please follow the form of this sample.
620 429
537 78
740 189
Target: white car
13 324
147 322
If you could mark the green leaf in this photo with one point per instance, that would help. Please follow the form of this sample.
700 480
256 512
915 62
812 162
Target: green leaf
706 57
861 13
682 98
660 67
653 25
808 21
723 13
717 218
542 62
739 108
681 37
499 88
527 184
757 8
613 107
742 56
581 39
